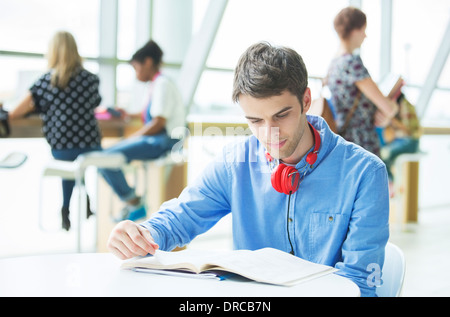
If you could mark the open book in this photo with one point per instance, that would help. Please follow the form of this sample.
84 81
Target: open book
391 86
266 265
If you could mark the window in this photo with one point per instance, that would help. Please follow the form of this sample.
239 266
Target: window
415 40
126 29
291 23
417 32
370 50
34 23
306 26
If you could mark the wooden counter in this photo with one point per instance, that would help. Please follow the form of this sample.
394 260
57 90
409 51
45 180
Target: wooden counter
31 127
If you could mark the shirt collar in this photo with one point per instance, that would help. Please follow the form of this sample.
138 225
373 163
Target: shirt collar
326 137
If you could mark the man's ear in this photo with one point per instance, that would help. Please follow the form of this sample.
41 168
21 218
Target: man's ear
307 100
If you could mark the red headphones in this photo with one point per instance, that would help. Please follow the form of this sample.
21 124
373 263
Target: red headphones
286 179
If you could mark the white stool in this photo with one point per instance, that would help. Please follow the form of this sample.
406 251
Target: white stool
76 171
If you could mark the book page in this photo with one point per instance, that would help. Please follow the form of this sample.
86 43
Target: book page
272 266
192 260
265 265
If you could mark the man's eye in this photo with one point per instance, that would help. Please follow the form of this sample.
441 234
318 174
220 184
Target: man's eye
255 121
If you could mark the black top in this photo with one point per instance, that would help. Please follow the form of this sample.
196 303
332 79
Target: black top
68 114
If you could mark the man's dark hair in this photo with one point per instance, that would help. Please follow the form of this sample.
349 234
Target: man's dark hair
150 49
265 71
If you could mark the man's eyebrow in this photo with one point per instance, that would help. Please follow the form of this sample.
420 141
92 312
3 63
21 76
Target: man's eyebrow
276 114
283 110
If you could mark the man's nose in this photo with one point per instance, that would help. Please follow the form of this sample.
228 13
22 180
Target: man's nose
271 131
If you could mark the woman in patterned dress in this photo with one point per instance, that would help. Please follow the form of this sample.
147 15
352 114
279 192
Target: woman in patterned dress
347 76
65 97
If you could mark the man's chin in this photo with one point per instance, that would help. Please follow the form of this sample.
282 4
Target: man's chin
278 152
275 153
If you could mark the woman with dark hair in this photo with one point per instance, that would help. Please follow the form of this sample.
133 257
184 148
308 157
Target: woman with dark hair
162 114
351 85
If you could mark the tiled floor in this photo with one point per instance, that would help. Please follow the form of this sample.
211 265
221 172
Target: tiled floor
425 245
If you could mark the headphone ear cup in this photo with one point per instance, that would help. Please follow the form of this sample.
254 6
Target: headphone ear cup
285 179
276 177
311 158
290 180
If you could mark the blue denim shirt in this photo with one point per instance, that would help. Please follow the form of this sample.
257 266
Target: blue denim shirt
338 216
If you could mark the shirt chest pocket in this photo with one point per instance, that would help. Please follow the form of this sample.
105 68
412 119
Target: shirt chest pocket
327 232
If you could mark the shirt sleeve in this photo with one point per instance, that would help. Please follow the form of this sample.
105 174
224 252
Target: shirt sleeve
93 89
37 90
364 247
196 210
162 99
356 70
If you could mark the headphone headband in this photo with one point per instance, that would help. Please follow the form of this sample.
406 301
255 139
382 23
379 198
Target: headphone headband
311 158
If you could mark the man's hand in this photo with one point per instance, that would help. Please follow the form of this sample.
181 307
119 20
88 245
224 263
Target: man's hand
129 239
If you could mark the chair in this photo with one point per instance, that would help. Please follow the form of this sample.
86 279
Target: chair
393 273
76 171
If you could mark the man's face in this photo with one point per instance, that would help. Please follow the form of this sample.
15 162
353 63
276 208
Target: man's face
279 123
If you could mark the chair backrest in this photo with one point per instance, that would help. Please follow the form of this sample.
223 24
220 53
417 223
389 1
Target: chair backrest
393 272
101 160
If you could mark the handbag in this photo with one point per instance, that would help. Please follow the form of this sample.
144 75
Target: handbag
321 107
350 114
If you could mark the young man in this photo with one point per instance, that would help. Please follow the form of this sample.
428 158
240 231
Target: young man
162 115
294 185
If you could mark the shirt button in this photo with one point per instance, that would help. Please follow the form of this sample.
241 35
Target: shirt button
330 218
290 219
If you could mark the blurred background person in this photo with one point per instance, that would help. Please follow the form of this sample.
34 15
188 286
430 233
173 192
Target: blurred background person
358 101
65 97
162 113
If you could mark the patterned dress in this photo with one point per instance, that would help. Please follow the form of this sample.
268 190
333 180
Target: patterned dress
344 71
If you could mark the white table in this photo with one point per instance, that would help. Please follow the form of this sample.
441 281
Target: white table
99 274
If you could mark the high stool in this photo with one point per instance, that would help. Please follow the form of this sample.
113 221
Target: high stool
76 171
406 185
165 164
156 180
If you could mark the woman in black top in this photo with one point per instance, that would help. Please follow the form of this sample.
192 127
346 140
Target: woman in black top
65 97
